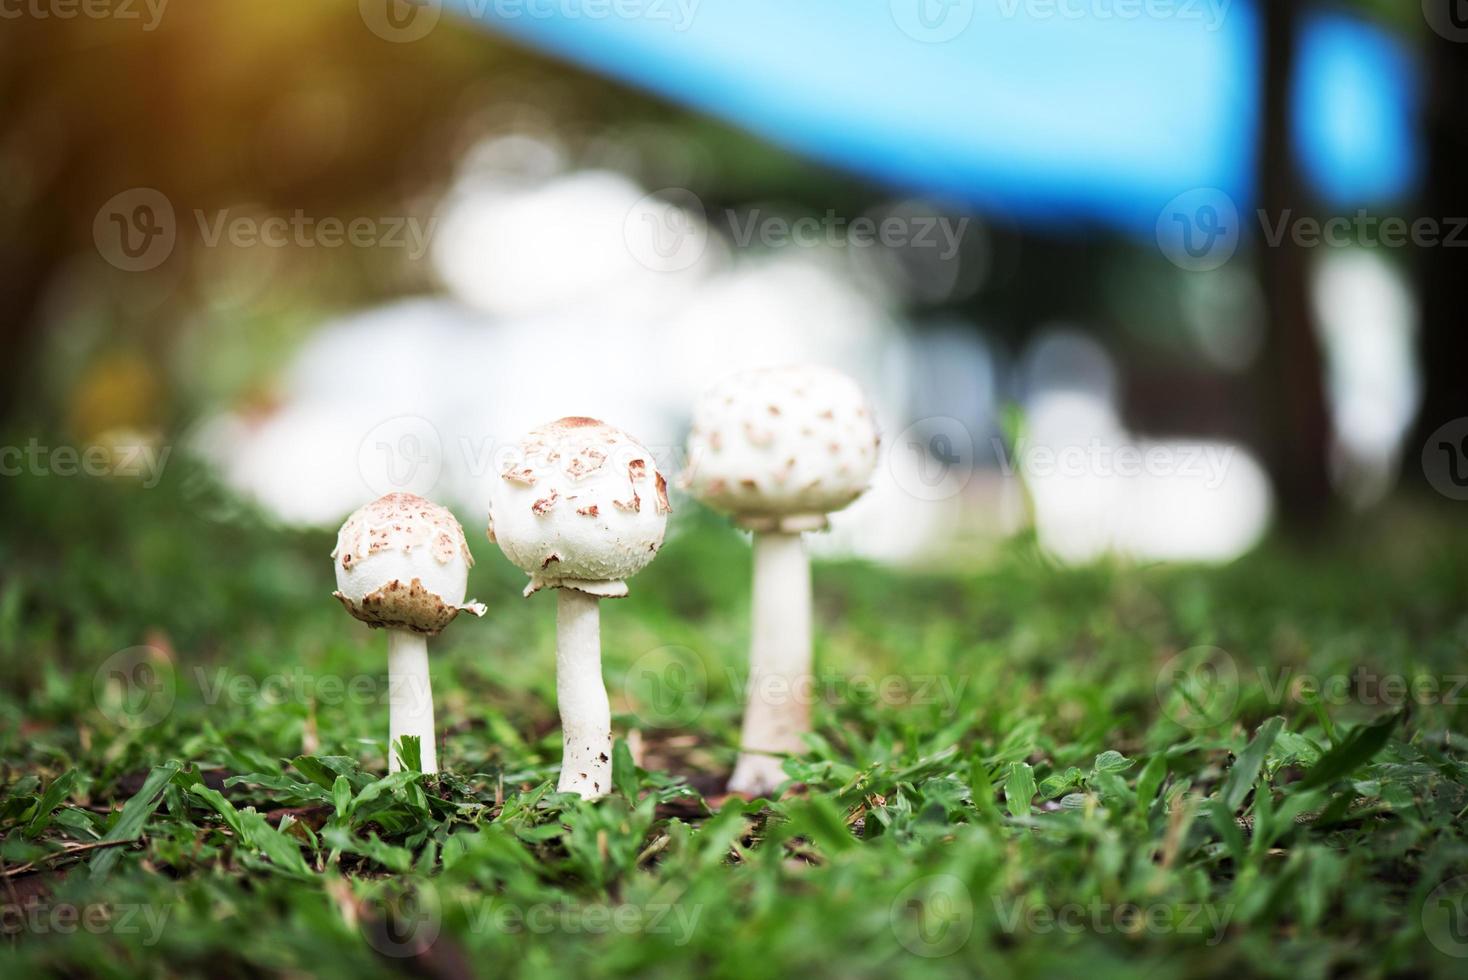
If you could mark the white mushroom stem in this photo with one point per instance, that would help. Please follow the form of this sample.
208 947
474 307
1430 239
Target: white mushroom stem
780 688
410 698
586 716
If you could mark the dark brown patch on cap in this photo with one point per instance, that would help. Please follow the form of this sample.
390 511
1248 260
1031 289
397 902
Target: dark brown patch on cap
395 607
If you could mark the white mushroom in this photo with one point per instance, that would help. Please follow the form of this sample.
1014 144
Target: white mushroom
402 564
580 507
779 449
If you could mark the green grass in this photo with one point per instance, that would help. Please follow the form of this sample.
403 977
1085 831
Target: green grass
1019 770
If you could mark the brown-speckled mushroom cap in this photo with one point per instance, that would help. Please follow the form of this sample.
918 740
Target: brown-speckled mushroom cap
780 448
402 563
581 505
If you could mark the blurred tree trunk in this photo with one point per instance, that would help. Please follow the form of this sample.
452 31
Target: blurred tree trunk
1444 335
1296 424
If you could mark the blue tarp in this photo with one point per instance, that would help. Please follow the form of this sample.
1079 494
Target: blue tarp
1062 112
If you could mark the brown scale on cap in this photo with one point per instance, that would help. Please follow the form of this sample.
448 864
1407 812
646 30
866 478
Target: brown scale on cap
757 436
634 505
589 511
584 462
400 520
396 606
662 487
543 506
575 422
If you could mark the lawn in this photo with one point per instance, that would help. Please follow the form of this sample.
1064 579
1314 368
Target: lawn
1019 769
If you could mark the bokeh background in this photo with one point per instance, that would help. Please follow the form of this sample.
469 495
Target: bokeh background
328 250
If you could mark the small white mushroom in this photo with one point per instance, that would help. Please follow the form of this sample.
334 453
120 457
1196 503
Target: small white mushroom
580 508
779 449
402 564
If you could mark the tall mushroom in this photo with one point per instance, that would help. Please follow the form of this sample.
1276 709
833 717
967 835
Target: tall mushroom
580 507
402 564
779 449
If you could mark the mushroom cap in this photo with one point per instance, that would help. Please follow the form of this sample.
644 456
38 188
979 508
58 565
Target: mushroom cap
579 505
780 448
402 563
